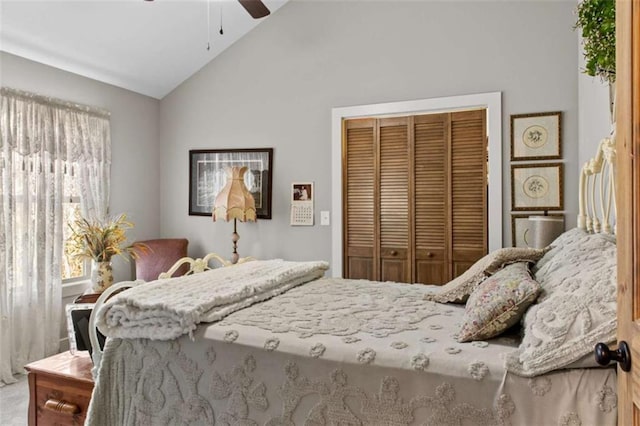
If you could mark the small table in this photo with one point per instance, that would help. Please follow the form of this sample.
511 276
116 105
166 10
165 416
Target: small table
60 389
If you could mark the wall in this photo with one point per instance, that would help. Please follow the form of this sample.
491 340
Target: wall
134 138
277 85
594 120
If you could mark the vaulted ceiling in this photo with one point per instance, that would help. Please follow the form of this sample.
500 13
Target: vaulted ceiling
147 47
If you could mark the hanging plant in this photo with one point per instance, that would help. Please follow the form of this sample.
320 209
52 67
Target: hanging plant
597 19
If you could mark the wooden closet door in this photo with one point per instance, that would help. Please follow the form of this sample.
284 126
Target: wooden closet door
431 168
468 189
394 219
359 230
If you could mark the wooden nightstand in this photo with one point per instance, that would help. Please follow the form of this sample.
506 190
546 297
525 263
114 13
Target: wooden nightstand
60 389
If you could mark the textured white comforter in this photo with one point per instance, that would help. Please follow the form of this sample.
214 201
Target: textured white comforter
339 352
166 309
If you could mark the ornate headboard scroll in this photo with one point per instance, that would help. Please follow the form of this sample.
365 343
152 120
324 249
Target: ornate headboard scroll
597 209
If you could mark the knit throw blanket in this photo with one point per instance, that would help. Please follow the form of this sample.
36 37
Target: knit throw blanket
166 309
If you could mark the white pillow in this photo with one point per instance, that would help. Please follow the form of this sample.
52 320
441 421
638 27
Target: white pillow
570 237
576 310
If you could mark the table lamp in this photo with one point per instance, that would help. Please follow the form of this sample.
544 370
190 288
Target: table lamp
235 202
545 229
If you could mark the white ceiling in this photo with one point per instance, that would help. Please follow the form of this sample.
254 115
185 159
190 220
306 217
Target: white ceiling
146 47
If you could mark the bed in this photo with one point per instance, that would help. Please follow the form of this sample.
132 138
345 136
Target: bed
318 351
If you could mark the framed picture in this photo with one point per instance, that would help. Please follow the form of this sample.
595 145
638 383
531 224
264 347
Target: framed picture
207 177
536 136
521 227
537 186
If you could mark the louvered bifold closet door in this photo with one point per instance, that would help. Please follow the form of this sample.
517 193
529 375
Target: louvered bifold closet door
359 186
395 218
431 165
468 189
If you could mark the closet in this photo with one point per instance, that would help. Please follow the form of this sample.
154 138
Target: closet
414 196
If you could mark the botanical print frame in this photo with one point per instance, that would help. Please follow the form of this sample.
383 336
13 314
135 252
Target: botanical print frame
520 227
207 177
537 186
536 136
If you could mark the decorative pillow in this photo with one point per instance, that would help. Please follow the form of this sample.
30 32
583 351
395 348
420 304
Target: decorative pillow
498 303
576 309
459 289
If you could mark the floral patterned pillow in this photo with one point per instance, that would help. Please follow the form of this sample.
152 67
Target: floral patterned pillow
498 303
459 289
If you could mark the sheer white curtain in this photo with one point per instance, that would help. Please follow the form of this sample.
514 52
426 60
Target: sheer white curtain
43 141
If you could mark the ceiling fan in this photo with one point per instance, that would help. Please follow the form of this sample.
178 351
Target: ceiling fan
256 8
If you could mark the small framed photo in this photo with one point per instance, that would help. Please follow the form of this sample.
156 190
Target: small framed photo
521 228
536 136
537 186
207 177
302 191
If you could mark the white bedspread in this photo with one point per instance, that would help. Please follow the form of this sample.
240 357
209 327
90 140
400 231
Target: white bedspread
166 309
339 352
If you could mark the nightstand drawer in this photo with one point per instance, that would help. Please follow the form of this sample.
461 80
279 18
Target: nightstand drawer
61 401
60 389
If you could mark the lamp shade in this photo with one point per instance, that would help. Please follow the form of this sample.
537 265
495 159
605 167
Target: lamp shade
545 229
234 200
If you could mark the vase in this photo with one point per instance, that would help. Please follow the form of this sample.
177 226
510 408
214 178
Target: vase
101 276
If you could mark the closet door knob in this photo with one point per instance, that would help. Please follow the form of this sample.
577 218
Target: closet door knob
622 355
393 252
429 254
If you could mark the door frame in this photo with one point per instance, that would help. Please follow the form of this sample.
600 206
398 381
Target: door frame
628 202
492 102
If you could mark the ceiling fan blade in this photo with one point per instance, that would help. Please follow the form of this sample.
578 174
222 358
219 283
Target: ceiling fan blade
256 8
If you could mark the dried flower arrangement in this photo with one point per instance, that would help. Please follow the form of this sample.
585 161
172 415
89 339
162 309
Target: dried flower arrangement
101 240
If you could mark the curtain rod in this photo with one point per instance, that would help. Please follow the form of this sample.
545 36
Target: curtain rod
45 100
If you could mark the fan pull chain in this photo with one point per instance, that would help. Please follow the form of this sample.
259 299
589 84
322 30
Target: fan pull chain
208 24
221 31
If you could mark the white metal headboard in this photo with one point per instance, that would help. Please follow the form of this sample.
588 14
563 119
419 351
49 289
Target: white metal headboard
597 209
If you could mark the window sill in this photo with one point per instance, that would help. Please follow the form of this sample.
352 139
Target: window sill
75 288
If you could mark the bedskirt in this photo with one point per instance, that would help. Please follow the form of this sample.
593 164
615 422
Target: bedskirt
200 382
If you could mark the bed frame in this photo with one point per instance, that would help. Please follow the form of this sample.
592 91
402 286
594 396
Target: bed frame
597 203
195 266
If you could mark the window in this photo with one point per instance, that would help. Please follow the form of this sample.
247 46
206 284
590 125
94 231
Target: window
44 141
73 268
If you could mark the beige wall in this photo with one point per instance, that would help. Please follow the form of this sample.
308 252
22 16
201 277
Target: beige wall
277 85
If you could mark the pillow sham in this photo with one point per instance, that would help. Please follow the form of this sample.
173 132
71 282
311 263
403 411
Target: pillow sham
576 309
498 303
567 238
459 289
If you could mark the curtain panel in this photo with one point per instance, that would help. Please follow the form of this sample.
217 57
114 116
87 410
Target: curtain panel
44 142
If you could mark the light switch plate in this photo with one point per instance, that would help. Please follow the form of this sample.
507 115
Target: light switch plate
325 218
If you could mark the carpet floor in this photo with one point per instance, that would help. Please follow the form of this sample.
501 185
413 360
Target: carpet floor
14 402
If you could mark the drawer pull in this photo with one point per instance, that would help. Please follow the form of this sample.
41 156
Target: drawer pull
61 406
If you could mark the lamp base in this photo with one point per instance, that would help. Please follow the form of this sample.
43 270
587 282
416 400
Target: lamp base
235 237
